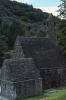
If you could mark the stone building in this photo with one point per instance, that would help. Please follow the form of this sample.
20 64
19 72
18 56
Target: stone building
20 76
49 59
37 63
52 28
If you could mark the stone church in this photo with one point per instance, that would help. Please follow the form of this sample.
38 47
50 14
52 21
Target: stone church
36 64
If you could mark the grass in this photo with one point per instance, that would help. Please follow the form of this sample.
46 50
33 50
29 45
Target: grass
51 94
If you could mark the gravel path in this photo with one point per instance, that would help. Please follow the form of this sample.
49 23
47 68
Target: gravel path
3 98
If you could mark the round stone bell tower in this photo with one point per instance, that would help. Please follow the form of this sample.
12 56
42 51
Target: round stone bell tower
52 28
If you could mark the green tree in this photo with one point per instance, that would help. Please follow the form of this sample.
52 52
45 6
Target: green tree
62 34
62 9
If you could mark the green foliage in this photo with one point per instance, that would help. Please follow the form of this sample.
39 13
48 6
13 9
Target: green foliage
29 34
62 34
62 9
25 11
42 34
19 19
14 15
7 55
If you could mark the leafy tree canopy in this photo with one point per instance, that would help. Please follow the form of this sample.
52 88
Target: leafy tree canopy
62 9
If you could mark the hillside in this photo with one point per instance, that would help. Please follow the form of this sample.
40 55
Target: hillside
23 19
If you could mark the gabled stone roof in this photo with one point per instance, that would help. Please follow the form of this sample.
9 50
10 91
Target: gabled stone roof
43 51
17 51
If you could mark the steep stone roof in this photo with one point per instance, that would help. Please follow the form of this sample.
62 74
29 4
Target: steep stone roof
17 51
44 53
